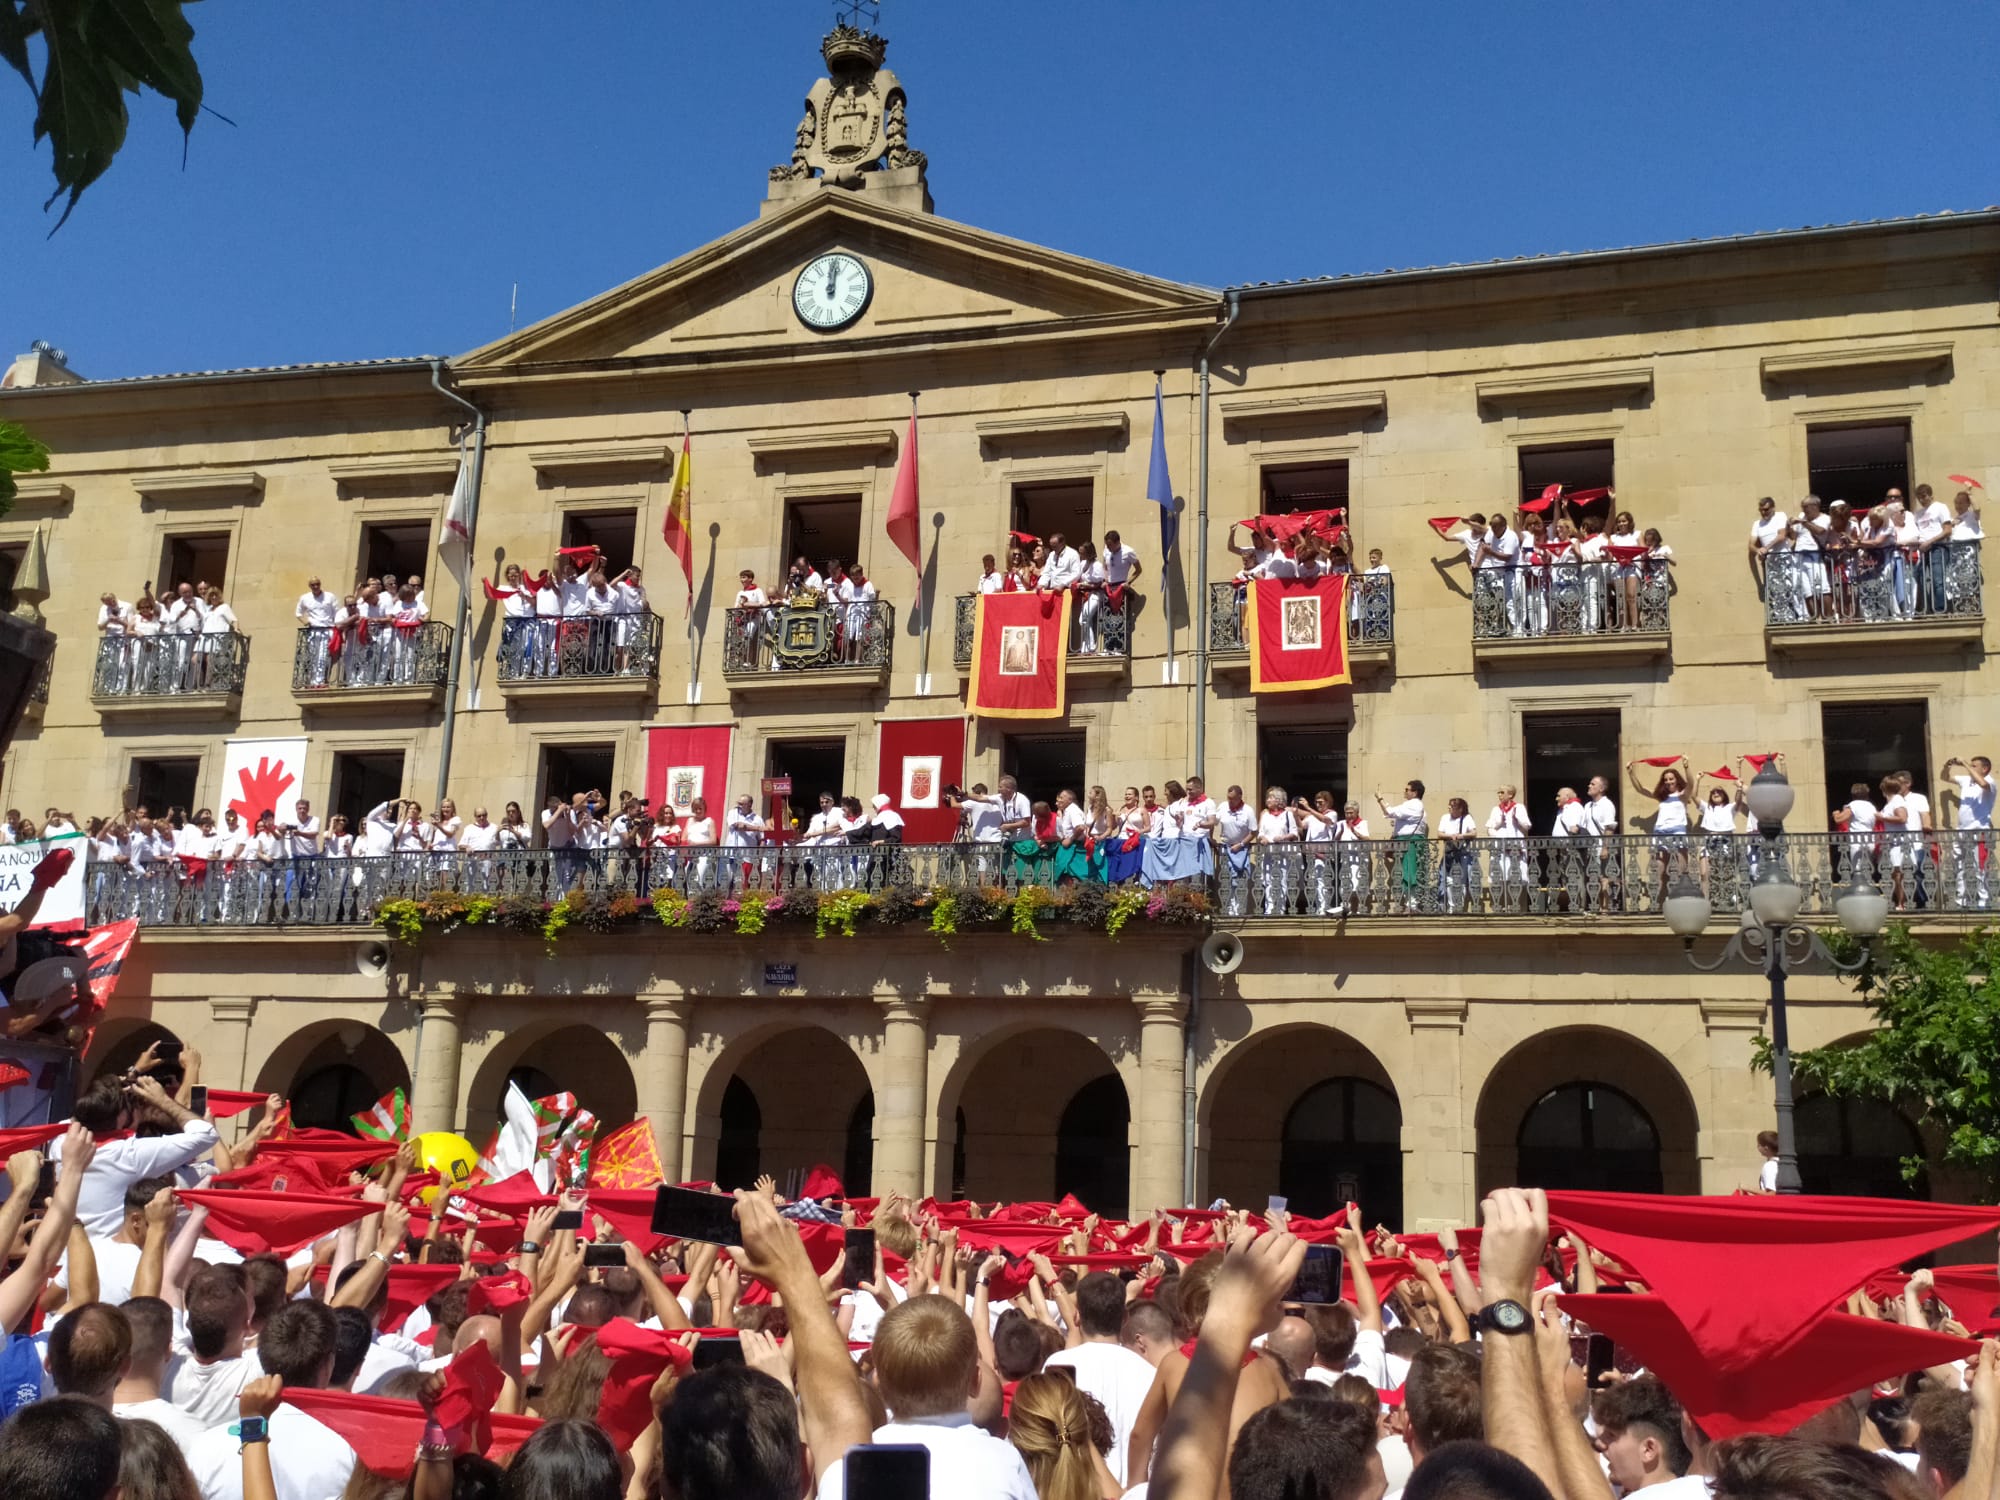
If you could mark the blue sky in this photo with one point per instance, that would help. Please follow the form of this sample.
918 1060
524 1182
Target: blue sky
394 168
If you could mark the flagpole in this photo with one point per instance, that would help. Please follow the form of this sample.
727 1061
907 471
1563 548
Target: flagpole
687 528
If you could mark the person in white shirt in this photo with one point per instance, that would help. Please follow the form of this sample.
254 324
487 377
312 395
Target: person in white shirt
1103 1366
886 826
1904 558
1016 812
699 833
1911 810
1508 825
1718 830
1935 529
1090 589
1766 532
1603 814
1277 831
860 624
1458 872
1235 831
1671 791
212 655
1121 564
1409 828
115 620
106 1108
628 623
753 608
315 612
991 579
1973 843
138 1395
1063 567
309 1461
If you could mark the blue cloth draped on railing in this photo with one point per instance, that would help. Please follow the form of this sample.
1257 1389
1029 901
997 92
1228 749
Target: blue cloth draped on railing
1122 864
1176 859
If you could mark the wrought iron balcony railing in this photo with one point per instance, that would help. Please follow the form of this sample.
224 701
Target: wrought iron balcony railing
1558 600
582 646
1097 627
1866 586
794 638
378 656
1481 881
170 666
1371 613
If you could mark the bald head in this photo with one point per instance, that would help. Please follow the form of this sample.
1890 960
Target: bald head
1292 1341
485 1328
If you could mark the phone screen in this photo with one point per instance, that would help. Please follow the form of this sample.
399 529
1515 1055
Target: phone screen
708 1353
45 1183
1318 1281
684 1214
860 1263
601 1256
198 1098
888 1471
568 1218
1597 1359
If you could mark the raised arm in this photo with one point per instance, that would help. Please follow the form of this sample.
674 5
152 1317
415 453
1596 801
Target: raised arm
1517 1230
23 1286
1576 1459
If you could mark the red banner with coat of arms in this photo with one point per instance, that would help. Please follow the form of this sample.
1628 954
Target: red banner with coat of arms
1020 646
683 763
916 759
1296 629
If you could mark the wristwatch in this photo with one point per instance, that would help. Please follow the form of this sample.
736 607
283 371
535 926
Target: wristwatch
1451 1255
251 1430
1504 1317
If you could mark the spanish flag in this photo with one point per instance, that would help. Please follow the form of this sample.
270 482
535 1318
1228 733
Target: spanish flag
678 527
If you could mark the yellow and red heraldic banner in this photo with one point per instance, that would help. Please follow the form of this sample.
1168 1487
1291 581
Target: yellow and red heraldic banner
1020 647
1297 631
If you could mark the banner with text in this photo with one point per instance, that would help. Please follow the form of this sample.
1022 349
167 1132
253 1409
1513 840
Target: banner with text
62 907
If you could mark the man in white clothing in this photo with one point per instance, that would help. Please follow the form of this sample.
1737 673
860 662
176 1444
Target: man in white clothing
309 1461
315 612
1604 822
1105 1368
1063 567
109 1106
1975 828
138 1395
213 1369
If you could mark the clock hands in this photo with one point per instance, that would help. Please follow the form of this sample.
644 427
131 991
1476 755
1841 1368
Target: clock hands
832 278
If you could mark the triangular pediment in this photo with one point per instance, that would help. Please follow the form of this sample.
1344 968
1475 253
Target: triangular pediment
931 276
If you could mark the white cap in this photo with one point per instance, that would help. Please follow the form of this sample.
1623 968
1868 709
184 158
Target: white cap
882 800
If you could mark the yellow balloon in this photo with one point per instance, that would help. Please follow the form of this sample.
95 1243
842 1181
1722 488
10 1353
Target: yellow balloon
451 1157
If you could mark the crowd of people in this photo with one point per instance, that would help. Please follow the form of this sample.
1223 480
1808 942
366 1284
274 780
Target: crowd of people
574 618
843 594
1889 562
1582 573
305 1314
179 643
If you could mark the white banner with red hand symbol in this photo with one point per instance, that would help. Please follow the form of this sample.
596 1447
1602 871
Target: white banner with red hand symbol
260 776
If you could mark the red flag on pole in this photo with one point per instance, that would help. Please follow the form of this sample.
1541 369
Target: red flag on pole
903 525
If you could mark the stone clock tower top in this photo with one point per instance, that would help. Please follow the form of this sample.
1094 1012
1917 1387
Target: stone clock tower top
855 132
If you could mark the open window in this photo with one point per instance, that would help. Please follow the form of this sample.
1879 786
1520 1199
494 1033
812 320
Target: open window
1287 489
1043 764
1304 759
194 557
11 558
1574 466
1564 750
612 532
569 769
1046 510
399 547
167 781
1866 741
823 530
362 781
1858 464
814 767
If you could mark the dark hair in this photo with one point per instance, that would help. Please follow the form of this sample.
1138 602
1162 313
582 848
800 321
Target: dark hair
731 1433
151 1322
1100 1305
100 1107
1148 1319
1442 1398
622 1285
215 1309
1944 1432
270 1290
1333 1329
297 1343
1017 1348
151 1465
89 1350
1469 1470
144 1191
564 1461
475 1477
353 1332
1791 1468
590 1306
1300 1450
1646 1403
65 1449
1416 786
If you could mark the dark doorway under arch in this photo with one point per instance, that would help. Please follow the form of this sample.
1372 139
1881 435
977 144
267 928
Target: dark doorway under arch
738 1150
858 1163
1343 1143
1589 1136
1093 1160
328 1098
1855 1147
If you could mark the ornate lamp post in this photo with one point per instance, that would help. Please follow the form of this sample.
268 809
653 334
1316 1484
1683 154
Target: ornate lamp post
1772 938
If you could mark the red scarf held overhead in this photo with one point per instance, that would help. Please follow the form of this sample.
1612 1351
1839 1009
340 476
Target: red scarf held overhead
638 1356
1748 1276
409 1288
253 1222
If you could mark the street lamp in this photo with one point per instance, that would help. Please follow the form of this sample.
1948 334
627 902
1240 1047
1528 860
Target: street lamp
1771 937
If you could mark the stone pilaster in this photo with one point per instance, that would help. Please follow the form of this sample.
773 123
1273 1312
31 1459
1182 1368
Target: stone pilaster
1438 1146
1737 1102
1158 1134
228 1052
434 1102
663 1077
901 1104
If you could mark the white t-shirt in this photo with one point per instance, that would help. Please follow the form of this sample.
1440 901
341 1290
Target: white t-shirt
1118 562
1767 1176
1573 818
100 1204
742 828
1499 551
992 583
1509 822
1406 819
309 1460
479 838
1934 522
1013 809
1766 533
1672 817
117 1264
1915 806
177 1424
698 831
1448 826
1603 814
208 1392
1721 818
1277 827
1975 804
316 613
966 1463
1118 1378
1233 826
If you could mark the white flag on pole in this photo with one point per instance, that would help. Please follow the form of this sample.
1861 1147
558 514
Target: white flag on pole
455 532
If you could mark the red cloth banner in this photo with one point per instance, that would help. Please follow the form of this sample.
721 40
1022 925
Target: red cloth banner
1297 629
1020 647
915 760
686 762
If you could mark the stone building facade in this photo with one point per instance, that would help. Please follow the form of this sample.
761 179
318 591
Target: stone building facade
1406 1058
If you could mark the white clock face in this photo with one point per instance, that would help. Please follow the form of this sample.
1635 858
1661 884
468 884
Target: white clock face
832 291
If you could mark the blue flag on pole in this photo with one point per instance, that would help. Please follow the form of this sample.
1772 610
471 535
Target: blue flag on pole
1159 486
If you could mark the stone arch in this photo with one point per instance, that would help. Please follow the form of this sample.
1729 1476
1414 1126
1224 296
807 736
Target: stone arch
783 1098
1306 1111
1556 1071
1039 1102
329 1070
573 1056
117 1044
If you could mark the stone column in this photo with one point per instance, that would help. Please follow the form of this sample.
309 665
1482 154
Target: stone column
902 1101
663 1076
1439 1148
435 1102
1734 1103
227 1047
1158 1132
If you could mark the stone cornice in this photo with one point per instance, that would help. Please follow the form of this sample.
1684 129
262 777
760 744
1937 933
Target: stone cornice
559 463
1004 431
201 487
1567 386
1818 364
773 448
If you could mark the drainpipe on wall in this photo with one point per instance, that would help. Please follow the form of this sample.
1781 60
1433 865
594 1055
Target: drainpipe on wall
464 595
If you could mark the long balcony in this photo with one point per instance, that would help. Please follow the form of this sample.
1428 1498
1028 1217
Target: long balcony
1371 625
581 657
380 666
1565 612
777 647
1375 883
1104 649
1840 603
170 675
